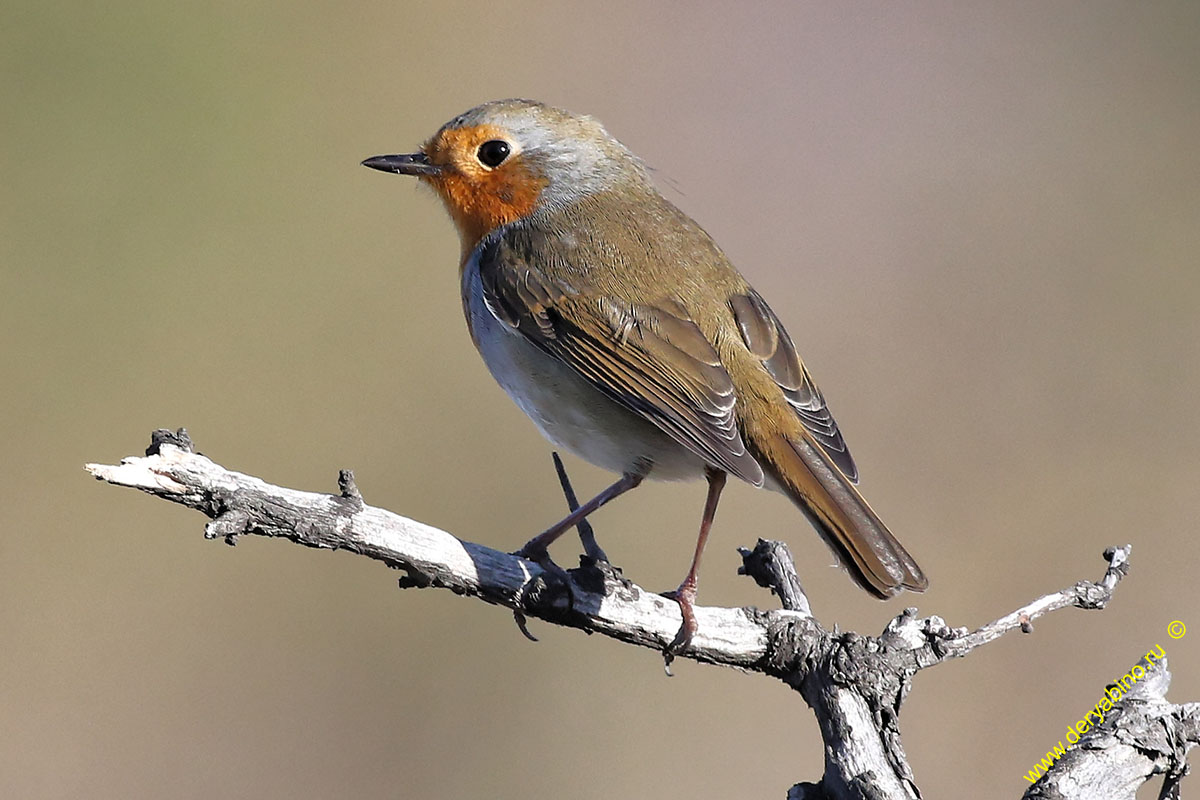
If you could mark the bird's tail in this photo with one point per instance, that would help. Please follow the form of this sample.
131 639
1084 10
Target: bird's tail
863 544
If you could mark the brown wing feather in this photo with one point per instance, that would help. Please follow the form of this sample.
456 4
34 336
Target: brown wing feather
766 338
651 359
863 544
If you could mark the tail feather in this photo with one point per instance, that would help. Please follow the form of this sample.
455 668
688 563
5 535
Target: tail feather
863 544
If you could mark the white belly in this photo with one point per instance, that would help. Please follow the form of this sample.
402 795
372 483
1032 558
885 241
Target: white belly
567 409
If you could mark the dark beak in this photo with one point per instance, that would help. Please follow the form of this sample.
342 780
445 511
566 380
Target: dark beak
410 164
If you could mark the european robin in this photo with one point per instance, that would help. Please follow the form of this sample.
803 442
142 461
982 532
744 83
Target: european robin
617 324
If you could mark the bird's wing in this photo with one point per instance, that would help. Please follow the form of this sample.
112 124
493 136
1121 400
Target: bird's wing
766 338
652 359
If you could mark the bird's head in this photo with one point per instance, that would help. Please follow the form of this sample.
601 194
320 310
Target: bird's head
506 159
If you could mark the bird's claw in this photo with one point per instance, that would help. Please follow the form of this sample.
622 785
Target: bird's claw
687 629
542 590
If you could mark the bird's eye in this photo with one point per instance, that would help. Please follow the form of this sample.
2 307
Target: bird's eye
492 153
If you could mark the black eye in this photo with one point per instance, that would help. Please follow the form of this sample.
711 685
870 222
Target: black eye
493 153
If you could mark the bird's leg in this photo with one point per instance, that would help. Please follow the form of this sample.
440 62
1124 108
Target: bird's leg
685 595
595 572
535 548
587 536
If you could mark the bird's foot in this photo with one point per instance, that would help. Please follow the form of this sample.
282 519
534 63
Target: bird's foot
599 576
544 590
685 596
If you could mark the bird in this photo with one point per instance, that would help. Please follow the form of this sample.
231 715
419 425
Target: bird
617 324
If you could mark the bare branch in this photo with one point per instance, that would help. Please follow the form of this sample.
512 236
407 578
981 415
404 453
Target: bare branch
241 504
855 684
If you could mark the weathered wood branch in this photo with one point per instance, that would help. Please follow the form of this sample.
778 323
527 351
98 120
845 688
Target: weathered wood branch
855 684
1142 736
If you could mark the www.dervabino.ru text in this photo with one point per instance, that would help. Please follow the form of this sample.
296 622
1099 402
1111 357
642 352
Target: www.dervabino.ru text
1116 691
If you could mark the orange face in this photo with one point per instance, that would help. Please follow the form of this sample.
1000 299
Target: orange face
481 196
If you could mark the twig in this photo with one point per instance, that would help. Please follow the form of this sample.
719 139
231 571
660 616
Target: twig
771 566
1084 594
933 641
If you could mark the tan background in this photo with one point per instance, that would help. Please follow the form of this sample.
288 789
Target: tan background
981 225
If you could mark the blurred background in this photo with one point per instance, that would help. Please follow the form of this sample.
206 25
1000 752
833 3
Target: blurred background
979 222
